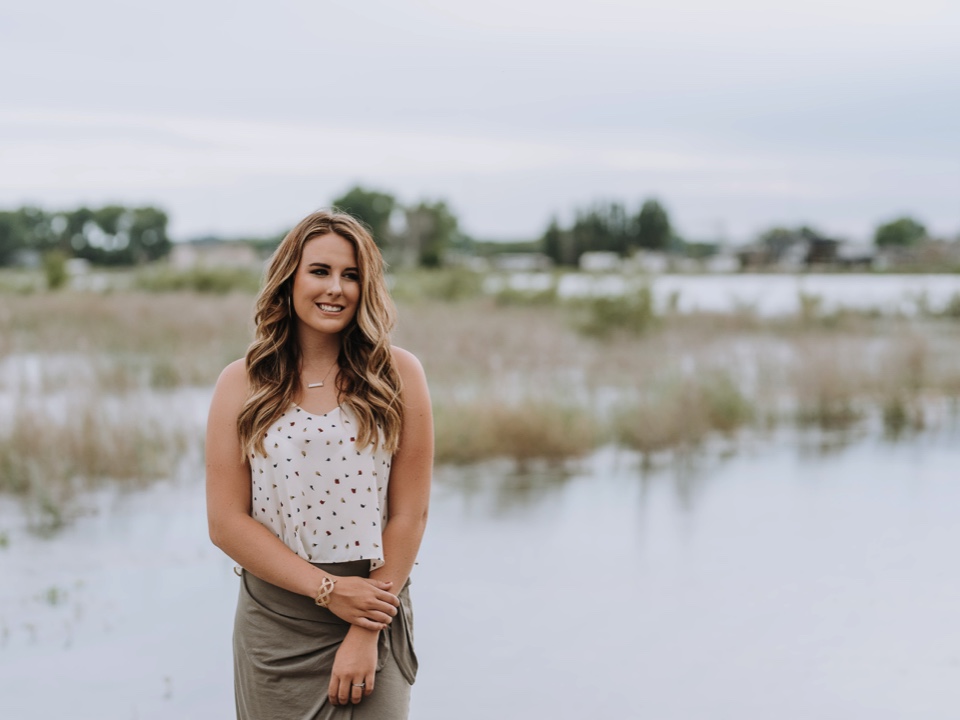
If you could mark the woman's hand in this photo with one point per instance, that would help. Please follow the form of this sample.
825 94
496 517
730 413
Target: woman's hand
363 602
354 667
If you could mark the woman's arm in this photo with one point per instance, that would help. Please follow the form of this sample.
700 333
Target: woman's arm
408 498
411 470
366 603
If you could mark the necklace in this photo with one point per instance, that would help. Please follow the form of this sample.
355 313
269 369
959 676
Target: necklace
320 384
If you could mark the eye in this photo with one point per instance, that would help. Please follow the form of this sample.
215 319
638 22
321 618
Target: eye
352 276
320 271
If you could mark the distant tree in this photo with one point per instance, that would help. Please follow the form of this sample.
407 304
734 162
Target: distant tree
11 238
777 240
111 235
489 248
431 230
607 227
552 242
27 228
588 234
76 225
116 235
653 226
603 227
902 232
372 207
148 233
699 250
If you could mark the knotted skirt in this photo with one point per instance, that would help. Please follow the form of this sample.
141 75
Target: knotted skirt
284 646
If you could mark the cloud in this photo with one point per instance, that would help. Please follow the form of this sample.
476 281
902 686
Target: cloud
724 110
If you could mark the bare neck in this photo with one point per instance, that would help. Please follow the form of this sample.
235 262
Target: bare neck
318 352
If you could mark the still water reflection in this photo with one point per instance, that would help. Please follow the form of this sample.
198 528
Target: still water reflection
775 583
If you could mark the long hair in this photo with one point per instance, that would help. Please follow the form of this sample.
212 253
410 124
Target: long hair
368 382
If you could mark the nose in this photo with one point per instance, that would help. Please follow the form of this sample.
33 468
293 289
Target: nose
334 287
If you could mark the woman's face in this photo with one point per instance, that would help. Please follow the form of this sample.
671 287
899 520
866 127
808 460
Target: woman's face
326 285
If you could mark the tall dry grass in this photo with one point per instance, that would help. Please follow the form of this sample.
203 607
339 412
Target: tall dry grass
163 339
49 454
516 380
676 383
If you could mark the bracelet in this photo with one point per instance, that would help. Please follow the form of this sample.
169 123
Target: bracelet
325 591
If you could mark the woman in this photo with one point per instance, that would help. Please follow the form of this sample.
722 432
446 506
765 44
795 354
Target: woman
319 457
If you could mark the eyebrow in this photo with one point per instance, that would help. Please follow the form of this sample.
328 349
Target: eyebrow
327 265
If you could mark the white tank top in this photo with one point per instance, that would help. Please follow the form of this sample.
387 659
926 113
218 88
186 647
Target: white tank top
325 499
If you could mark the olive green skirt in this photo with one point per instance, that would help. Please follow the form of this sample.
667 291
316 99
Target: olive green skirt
284 647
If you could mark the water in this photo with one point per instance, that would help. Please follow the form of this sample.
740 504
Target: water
784 581
767 295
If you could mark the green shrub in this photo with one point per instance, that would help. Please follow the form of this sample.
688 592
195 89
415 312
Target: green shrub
218 281
952 308
509 296
445 284
55 269
603 316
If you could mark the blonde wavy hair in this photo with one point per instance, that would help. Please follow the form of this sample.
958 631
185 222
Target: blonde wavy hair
368 382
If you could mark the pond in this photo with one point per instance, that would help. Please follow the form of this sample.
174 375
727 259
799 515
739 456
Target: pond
785 578
766 294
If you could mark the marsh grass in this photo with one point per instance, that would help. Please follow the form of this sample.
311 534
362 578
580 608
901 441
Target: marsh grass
685 378
528 431
215 280
681 411
48 455
446 285
175 338
829 385
605 316
509 379
76 369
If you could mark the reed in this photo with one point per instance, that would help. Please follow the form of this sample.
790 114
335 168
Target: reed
509 378
49 454
524 432
174 338
681 411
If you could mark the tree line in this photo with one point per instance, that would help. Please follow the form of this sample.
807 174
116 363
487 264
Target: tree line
415 234
110 235
609 227
423 233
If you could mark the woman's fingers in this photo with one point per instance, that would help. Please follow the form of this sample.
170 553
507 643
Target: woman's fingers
380 618
384 608
364 602
343 692
356 691
390 599
368 624
383 591
349 691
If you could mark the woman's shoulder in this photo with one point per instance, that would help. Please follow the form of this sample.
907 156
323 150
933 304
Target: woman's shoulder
406 362
235 372
233 380
412 378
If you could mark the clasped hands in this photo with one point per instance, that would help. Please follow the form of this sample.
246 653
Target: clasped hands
364 602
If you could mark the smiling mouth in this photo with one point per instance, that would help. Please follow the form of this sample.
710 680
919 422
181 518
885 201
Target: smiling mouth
330 308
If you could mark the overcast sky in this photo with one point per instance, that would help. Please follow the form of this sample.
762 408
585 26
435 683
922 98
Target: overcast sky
240 117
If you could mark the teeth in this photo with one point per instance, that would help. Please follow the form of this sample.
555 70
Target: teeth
331 308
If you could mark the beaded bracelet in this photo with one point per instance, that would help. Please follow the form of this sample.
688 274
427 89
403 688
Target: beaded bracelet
325 591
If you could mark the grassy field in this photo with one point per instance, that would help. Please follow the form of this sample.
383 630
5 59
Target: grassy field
93 383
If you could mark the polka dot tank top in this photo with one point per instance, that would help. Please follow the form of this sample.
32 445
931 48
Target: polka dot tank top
323 497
